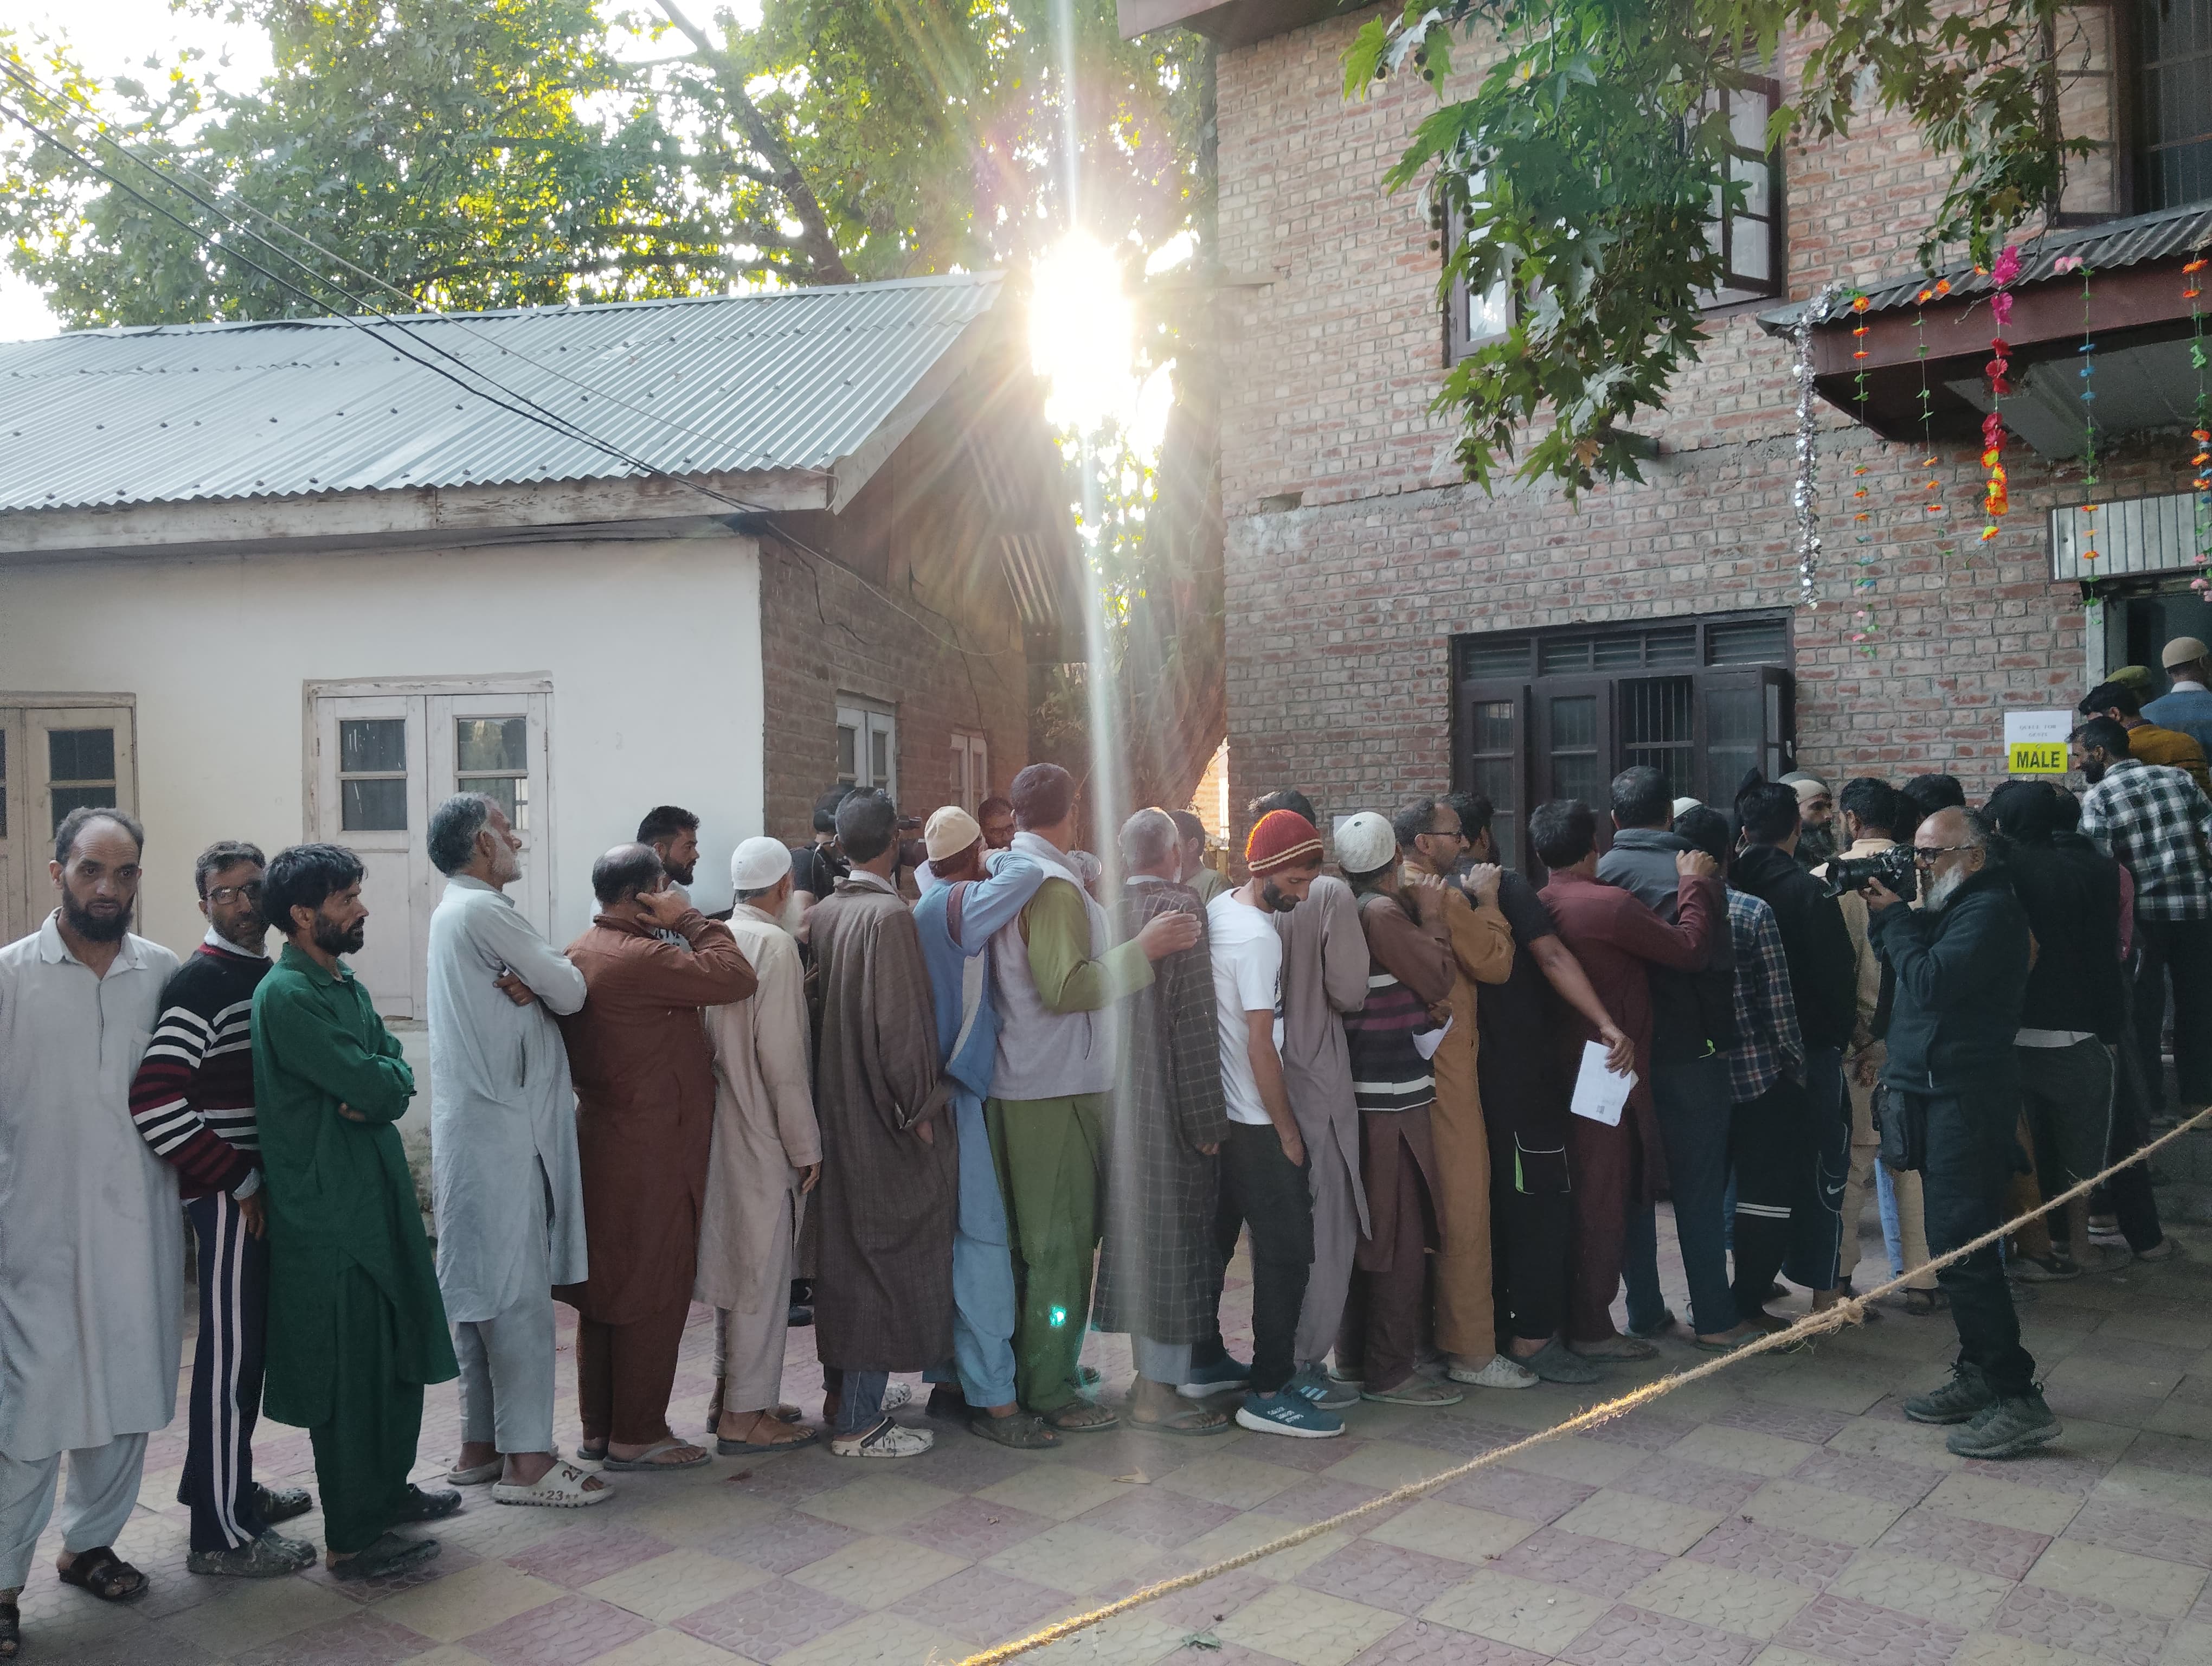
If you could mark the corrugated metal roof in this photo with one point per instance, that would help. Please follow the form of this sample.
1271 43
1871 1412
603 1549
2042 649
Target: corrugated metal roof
797 380
2107 247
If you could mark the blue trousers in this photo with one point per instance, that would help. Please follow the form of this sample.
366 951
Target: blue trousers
983 1361
1692 1103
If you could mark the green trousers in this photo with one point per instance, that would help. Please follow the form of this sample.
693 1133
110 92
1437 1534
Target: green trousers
1051 1159
362 1455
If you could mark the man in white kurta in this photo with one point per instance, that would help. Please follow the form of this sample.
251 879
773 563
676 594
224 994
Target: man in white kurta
505 1183
91 1244
766 1155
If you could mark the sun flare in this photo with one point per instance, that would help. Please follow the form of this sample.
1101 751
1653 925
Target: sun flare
1081 336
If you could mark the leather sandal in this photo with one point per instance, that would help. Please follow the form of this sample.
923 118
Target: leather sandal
1082 1417
105 1574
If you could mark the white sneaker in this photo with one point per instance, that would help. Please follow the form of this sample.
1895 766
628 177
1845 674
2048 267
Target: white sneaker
1499 1372
896 1395
886 1440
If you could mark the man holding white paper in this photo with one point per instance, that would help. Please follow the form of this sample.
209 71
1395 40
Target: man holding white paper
1617 939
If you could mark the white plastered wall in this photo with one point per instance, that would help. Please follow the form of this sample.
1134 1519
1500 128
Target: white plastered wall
653 650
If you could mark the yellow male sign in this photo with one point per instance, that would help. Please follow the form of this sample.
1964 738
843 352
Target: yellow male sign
2035 742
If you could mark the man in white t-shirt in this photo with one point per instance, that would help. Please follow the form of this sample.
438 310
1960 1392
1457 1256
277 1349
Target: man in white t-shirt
1263 1161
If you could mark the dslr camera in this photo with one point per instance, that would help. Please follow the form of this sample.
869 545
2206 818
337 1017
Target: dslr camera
1895 868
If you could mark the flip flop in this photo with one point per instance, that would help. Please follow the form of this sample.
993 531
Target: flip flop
648 1458
1098 1418
389 1554
561 1487
478 1476
105 1574
746 1448
1197 1421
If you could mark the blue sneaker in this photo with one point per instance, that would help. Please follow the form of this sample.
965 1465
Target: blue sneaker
1325 1391
1287 1411
1220 1378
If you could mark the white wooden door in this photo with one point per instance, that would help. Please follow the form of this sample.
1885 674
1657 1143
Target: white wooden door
372 795
496 744
54 759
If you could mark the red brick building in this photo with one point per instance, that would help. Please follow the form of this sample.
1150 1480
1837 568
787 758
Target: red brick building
1391 628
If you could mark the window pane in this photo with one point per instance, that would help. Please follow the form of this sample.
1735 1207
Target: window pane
1574 721
1577 778
510 793
367 745
1732 733
879 758
1496 656
1747 642
848 744
491 743
81 755
1493 728
1562 654
1489 310
1748 113
1751 251
1655 728
372 805
1757 179
67 799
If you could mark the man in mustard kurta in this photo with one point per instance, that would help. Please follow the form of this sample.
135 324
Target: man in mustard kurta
1059 976
356 1325
1482 952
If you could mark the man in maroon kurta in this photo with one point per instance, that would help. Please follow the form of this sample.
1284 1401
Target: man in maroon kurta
645 1116
1617 939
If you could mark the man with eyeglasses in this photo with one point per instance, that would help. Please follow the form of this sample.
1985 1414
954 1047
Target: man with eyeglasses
193 1100
1960 962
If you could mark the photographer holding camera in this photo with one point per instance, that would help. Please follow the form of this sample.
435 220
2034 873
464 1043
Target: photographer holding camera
1960 962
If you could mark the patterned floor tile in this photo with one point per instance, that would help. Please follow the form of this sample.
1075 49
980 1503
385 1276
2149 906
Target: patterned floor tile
1596 1567
1836 1628
588 1551
1059 1491
1419 1643
1587 1462
661 1648
1200 1607
1845 1517
1519 1492
969 1463
1383 1576
1074 1557
1525 1613
1128 1639
354 1640
2081 1624
2148 1488
982 1605
1389 1463
1466 1436
568 1632
1451 1531
1319 1496
1774 1553
1150 1515
2164 1589
1628 1636
874 1573
1901 1484
2049 1470
1307 1627
2188 1644
1677 1480
1629 1518
1983 1498
452 1609
1724 1598
1652 1429
781 1542
878 1640
1984 1546
769 1619
1989 1649
1897 1440
1914 1584
1752 1451
1811 1424
1242 1534
877 1504
669 1587
976 1528
2101 1521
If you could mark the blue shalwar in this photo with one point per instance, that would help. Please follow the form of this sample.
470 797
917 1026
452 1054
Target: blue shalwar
954 939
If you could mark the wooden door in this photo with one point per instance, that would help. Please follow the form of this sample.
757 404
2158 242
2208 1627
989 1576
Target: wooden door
372 775
496 744
54 759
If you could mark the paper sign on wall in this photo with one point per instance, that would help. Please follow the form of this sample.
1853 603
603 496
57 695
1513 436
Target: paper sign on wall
2035 742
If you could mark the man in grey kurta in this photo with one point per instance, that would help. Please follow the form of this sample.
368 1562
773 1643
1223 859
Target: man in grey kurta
92 1250
504 1178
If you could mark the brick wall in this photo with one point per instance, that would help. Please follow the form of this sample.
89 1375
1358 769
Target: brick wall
1339 610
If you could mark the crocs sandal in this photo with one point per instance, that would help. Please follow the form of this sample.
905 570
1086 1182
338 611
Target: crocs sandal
388 1555
1188 1421
105 1574
479 1475
281 1504
268 1557
561 1487
801 1436
1025 1432
422 1506
650 1458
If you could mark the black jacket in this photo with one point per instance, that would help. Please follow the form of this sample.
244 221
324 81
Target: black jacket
2071 891
1693 1013
1961 976
1823 970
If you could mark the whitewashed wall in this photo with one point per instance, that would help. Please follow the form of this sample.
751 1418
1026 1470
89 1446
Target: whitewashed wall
653 650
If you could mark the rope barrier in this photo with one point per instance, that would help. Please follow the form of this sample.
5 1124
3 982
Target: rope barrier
1850 1311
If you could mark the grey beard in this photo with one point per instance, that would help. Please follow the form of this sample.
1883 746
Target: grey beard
1940 892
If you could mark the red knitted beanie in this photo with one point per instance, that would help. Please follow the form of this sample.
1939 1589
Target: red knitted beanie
1280 838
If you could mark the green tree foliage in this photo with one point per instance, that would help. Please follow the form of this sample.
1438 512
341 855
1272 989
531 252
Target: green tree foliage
1585 159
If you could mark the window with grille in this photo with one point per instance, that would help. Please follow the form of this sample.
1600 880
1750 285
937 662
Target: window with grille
2174 103
1556 714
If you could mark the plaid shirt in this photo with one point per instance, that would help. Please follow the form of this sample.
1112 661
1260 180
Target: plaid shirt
1768 1043
2157 823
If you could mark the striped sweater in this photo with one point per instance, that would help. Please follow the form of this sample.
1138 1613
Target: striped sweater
192 1097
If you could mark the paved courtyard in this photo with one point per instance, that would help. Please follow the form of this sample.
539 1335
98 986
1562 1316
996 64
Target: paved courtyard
1784 1514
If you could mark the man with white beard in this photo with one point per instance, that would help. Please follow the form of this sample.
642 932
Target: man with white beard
1962 964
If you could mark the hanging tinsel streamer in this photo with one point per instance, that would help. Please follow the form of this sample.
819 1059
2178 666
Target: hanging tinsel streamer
1996 499
1932 483
2088 350
1804 494
1863 625
2200 463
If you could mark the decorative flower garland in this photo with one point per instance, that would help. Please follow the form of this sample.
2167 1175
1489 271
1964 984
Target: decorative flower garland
2201 482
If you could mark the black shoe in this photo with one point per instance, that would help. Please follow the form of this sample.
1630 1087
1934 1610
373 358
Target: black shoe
429 1506
800 1316
2005 1428
281 1504
1958 1401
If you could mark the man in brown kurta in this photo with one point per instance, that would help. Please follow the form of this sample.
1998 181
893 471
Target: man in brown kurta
645 1116
1482 952
890 1166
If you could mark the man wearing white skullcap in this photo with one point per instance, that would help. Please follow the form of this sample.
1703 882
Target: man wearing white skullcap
766 1157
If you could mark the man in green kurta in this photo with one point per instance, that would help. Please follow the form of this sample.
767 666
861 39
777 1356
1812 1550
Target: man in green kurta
356 1325
1059 974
